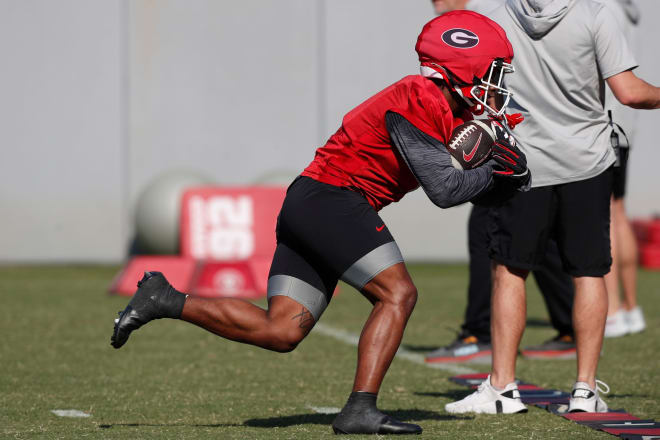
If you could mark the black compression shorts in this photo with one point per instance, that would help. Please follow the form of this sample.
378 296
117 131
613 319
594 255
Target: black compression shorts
326 233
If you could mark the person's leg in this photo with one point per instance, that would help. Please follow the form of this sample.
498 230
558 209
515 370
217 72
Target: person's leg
556 286
612 277
589 313
509 310
625 261
627 253
280 328
393 296
519 236
477 311
518 231
473 342
382 278
583 235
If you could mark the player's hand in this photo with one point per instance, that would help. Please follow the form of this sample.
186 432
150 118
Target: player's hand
510 162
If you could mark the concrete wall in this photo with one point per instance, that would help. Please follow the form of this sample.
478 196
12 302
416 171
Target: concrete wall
98 97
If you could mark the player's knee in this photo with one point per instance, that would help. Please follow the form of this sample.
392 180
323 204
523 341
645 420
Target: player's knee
286 338
404 296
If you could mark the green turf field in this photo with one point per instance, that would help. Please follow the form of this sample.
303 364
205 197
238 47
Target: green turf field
173 380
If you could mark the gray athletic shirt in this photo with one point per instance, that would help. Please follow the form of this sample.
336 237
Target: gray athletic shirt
564 49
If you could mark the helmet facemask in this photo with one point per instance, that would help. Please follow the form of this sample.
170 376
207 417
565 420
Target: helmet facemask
493 80
476 94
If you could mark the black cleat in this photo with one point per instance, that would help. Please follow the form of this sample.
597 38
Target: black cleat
360 416
155 298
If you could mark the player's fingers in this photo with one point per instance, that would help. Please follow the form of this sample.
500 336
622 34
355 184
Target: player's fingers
509 150
504 160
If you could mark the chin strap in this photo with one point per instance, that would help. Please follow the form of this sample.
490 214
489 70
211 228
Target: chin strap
511 120
514 119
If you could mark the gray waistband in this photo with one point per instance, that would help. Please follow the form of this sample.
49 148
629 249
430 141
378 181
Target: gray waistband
304 293
376 261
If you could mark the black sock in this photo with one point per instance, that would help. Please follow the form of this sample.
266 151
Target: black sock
359 400
173 303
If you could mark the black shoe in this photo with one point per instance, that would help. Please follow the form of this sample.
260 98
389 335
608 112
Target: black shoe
466 348
360 416
155 298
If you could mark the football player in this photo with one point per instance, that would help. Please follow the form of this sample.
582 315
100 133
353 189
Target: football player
329 228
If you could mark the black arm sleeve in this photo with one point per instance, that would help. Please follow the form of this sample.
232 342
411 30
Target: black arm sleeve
430 162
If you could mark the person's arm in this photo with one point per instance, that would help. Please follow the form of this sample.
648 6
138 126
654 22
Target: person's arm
633 91
430 162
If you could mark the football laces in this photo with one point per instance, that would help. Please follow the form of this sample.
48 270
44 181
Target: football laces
462 135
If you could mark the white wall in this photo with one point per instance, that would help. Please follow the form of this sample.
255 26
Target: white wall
99 97
60 130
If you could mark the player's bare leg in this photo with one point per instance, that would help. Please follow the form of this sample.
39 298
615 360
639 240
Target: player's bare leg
280 328
393 295
589 314
508 314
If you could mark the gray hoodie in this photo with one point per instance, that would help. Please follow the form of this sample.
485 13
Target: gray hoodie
631 10
563 51
538 17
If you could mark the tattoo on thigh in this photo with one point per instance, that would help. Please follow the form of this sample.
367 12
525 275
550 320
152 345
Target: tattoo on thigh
306 319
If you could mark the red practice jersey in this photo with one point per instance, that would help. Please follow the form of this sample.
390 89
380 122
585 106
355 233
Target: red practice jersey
361 155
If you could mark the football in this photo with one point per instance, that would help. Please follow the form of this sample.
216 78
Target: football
470 144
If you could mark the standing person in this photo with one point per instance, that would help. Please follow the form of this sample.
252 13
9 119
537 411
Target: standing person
329 228
629 318
480 6
565 49
473 342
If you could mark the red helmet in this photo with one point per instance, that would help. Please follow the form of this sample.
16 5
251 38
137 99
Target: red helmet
470 52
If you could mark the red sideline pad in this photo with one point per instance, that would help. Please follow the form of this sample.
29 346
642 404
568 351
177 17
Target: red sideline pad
243 279
230 224
178 271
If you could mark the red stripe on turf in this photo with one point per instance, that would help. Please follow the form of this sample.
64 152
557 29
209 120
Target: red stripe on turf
472 376
462 359
548 353
585 416
640 431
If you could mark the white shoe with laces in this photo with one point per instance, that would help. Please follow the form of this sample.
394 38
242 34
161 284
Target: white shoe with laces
634 319
587 399
487 400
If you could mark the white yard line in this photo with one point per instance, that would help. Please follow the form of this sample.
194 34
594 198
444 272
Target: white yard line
69 413
324 409
353 339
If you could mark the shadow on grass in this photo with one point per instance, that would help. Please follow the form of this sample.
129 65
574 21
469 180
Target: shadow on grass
326 419
192 425
419 348
451 394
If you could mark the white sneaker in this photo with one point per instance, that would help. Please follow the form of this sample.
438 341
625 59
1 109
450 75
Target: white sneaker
634 319
615 325
586 399
487 400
